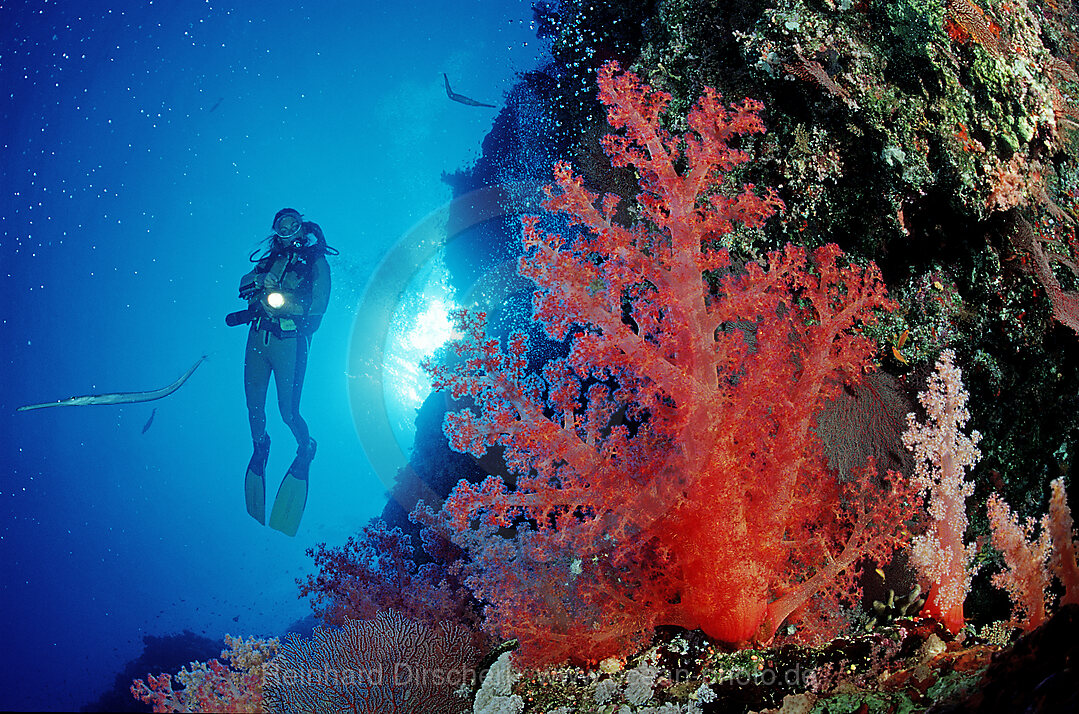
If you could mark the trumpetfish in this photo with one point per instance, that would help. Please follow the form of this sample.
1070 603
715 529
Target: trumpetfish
118 397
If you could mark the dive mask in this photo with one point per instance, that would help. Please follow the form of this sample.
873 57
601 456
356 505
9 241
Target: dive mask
288 227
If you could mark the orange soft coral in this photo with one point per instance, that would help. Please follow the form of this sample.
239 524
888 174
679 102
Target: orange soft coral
1026 577
1062 559
1030 562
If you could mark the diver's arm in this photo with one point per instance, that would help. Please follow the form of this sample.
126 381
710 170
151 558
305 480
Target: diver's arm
251 290
320 293
250 283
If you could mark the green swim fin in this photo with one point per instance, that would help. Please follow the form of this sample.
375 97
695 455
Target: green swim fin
292 494
255 480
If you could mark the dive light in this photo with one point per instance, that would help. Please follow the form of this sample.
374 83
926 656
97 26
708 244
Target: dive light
274 300
241 317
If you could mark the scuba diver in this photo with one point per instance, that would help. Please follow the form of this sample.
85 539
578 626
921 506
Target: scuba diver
287 293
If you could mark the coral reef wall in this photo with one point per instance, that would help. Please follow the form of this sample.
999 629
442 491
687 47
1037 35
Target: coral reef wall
934 137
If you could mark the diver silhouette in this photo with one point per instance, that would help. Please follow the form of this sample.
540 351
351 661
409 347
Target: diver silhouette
287 293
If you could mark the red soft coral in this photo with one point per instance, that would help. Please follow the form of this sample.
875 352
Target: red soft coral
667 470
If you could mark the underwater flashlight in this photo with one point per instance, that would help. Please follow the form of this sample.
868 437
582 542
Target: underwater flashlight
275 300
241 317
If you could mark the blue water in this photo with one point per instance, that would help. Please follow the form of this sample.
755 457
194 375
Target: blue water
144 149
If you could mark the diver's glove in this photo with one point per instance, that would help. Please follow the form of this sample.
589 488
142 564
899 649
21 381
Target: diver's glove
255 282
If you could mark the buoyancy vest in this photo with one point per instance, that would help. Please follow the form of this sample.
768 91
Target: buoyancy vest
290 273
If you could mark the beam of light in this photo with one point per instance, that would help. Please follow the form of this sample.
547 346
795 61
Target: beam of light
431 329
420 325
417 338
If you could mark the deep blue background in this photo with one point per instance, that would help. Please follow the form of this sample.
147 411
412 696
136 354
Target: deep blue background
144 148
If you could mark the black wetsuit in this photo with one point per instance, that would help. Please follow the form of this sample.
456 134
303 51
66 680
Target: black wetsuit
279 338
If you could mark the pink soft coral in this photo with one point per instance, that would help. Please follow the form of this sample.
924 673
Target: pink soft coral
943 453
232 686
667 471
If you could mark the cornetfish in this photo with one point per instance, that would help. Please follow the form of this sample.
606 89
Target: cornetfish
118 397
460 97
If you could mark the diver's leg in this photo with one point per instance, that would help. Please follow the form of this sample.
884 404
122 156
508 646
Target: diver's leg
256 383
289 366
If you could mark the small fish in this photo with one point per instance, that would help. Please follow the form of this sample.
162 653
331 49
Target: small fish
149 421
460 97
216 105
118 397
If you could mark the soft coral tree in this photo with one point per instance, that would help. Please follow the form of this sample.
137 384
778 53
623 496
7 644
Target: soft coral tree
377 570
667 470
235 685
943 453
